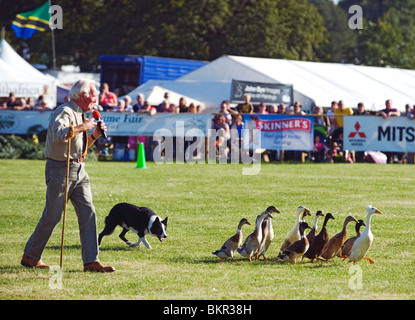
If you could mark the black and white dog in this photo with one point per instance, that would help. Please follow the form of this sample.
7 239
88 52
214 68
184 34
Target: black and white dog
140 220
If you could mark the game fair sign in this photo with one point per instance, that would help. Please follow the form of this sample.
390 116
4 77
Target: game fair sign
118 124
280 132
364 133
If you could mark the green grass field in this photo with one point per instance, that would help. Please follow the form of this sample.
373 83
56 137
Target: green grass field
204 204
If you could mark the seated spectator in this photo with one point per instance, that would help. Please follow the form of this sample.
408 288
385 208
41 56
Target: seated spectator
3 105
140 102
147 109
107 99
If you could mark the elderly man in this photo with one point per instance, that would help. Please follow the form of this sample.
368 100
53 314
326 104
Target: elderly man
68 123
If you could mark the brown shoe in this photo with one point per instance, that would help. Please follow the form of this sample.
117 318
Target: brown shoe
32 263
98 267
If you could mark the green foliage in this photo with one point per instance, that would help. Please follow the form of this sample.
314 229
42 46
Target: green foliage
15 147
315 30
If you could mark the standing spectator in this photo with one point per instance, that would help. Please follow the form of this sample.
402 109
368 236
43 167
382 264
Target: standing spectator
12 101
262 108
30 102
182 105
361 110
272 109
360 155
107 99
247 106
340 112
140 102
192 108
332 119
386 114
282 108
298 109
225 112
128 105
120 106
147 109
389 111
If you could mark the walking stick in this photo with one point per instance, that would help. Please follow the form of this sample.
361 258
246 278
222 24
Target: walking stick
68 158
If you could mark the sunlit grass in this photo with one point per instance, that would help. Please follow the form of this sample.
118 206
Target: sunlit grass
204 204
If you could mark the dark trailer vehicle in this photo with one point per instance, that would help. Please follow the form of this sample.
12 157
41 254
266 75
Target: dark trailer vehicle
127 72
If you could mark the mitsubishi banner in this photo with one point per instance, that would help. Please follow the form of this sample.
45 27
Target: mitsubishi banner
365 133
281 132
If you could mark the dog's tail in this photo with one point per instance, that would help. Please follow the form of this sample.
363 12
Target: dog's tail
111 221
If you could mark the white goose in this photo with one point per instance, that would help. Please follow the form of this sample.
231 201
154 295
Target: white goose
362 244
294 234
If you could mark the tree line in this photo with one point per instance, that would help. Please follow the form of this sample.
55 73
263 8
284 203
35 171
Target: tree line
312 30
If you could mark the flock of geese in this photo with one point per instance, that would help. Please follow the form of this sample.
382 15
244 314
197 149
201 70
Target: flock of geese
315 246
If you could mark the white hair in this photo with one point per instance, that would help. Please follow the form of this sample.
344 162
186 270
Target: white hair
81 86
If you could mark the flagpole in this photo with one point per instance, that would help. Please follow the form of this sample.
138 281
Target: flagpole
53 42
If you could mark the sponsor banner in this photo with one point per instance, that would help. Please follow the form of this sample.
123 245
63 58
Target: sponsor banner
262 92
118 124
364 133
280 132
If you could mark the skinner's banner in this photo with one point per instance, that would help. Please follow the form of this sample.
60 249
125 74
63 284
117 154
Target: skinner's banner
280 132
364 133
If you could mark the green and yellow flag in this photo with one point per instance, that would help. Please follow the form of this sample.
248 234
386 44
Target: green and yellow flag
27 23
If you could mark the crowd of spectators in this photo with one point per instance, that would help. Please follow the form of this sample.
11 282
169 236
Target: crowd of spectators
328 124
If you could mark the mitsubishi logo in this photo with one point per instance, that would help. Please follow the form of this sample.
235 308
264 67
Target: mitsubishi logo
357 127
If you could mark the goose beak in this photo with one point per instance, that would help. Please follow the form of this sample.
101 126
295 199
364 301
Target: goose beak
377 211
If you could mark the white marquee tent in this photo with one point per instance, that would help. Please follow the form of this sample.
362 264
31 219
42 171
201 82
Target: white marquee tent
316 82
154 91
18 76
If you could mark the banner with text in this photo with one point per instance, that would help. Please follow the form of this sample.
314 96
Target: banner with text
364 133
280 132
273 93
118 124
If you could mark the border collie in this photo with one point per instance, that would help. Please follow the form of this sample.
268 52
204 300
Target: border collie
140 220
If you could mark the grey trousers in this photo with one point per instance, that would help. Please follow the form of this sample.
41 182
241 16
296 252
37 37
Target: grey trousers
81 198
